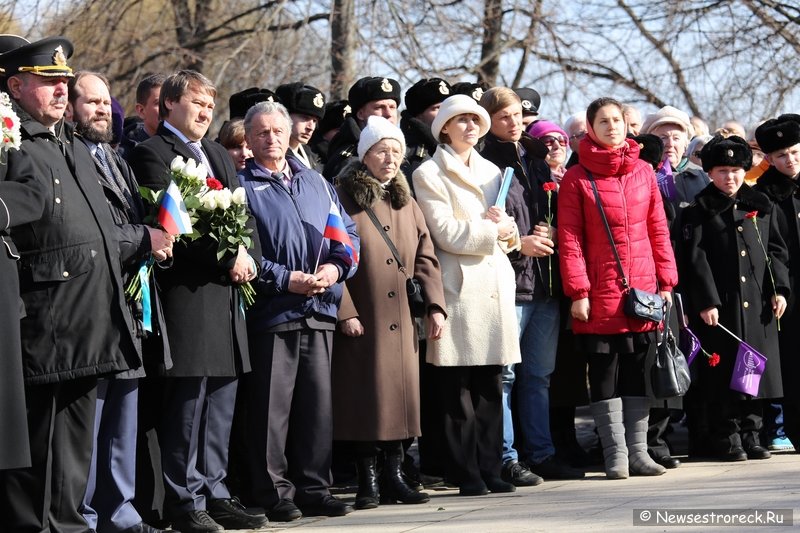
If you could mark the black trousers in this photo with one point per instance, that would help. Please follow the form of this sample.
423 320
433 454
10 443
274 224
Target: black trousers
290 415
471 397
734 422
47 496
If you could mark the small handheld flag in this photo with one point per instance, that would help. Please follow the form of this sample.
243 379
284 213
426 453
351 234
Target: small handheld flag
172 214
335 230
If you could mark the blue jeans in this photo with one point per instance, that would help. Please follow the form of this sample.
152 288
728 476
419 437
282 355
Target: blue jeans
538 330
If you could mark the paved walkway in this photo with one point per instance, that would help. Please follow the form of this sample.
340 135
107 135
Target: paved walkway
593 504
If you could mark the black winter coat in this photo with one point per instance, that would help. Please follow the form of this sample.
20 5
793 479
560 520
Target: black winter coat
420 144
527 202
724 266
785 193
207 330
21 202
342 149
70 280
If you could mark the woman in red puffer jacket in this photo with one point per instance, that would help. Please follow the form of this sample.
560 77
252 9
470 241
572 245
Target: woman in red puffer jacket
617 344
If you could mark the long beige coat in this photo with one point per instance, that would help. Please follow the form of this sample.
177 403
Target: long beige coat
376 377
479 285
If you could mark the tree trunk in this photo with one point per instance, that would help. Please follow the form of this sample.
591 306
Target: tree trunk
490 50
343 42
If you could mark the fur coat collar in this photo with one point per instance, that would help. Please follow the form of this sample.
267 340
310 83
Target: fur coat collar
713 202
366 191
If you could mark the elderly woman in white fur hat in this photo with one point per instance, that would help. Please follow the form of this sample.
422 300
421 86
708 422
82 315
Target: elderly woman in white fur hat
375 365
456 190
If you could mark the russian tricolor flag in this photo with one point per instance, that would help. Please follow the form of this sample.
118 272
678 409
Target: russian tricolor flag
172 214
335 230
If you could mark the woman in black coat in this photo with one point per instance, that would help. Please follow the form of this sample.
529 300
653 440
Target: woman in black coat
737 277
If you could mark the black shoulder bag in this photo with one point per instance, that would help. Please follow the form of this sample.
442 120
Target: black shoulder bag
669 375
416 300
638 303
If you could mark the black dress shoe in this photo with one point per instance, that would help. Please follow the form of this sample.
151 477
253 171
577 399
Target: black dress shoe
736 453
326 506
473 488
496 484
555 468
757 451
667 461
141 527
196 522
284 511
231 514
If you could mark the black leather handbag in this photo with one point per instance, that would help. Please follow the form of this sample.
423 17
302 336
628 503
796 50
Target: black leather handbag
638 303
669 375
416 298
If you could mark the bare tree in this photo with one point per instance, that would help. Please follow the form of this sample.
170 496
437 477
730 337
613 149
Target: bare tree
343 43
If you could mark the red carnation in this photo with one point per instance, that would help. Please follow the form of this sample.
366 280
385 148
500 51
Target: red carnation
714 359
214 184
751 215
9 122
549 186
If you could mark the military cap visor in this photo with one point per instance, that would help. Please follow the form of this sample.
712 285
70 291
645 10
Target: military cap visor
47 57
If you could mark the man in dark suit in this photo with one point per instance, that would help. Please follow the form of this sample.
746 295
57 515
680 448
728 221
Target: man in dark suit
207 332
76 327
108 503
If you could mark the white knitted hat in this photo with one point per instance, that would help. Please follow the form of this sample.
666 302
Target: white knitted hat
377 129
459 104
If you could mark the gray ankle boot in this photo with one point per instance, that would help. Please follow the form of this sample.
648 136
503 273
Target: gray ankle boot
635 410
608 419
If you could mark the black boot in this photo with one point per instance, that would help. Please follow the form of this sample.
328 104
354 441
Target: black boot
393 487
367 496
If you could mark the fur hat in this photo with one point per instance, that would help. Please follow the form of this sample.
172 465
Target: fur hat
335 113
302 99
240 103
373 88
47 57
459 104
732 151
377 129
668 115
426 93
530 101
540 128
651 148
473 90
778 133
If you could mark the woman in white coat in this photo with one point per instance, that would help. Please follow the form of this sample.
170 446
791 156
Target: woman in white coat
456 191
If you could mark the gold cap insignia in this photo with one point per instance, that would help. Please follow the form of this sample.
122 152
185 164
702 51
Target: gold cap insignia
443 88
526 104
346 110
386 86
59 58
779 134
477 94
319 101
730 153
270 99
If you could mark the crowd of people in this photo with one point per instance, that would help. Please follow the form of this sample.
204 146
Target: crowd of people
453 275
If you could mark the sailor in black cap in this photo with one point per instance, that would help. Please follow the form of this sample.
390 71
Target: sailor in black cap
76 326
327 128
531 100
306 106
240 102
372 95
422 104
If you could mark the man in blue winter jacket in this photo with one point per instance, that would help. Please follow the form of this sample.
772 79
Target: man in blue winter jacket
291 325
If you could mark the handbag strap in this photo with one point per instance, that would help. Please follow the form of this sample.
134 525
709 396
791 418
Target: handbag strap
608 229
386 238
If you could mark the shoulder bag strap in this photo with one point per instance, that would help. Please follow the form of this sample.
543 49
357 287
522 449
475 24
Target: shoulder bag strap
386 238
608 229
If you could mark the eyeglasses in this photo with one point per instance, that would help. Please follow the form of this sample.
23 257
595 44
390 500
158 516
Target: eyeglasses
550 140
577 136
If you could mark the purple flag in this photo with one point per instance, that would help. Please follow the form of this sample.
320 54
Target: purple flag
689 344
747 370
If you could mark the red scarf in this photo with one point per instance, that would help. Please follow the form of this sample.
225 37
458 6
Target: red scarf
607 161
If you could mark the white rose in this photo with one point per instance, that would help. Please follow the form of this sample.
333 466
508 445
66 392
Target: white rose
190 169
239 196
200 172
177 164
209 200
224 198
